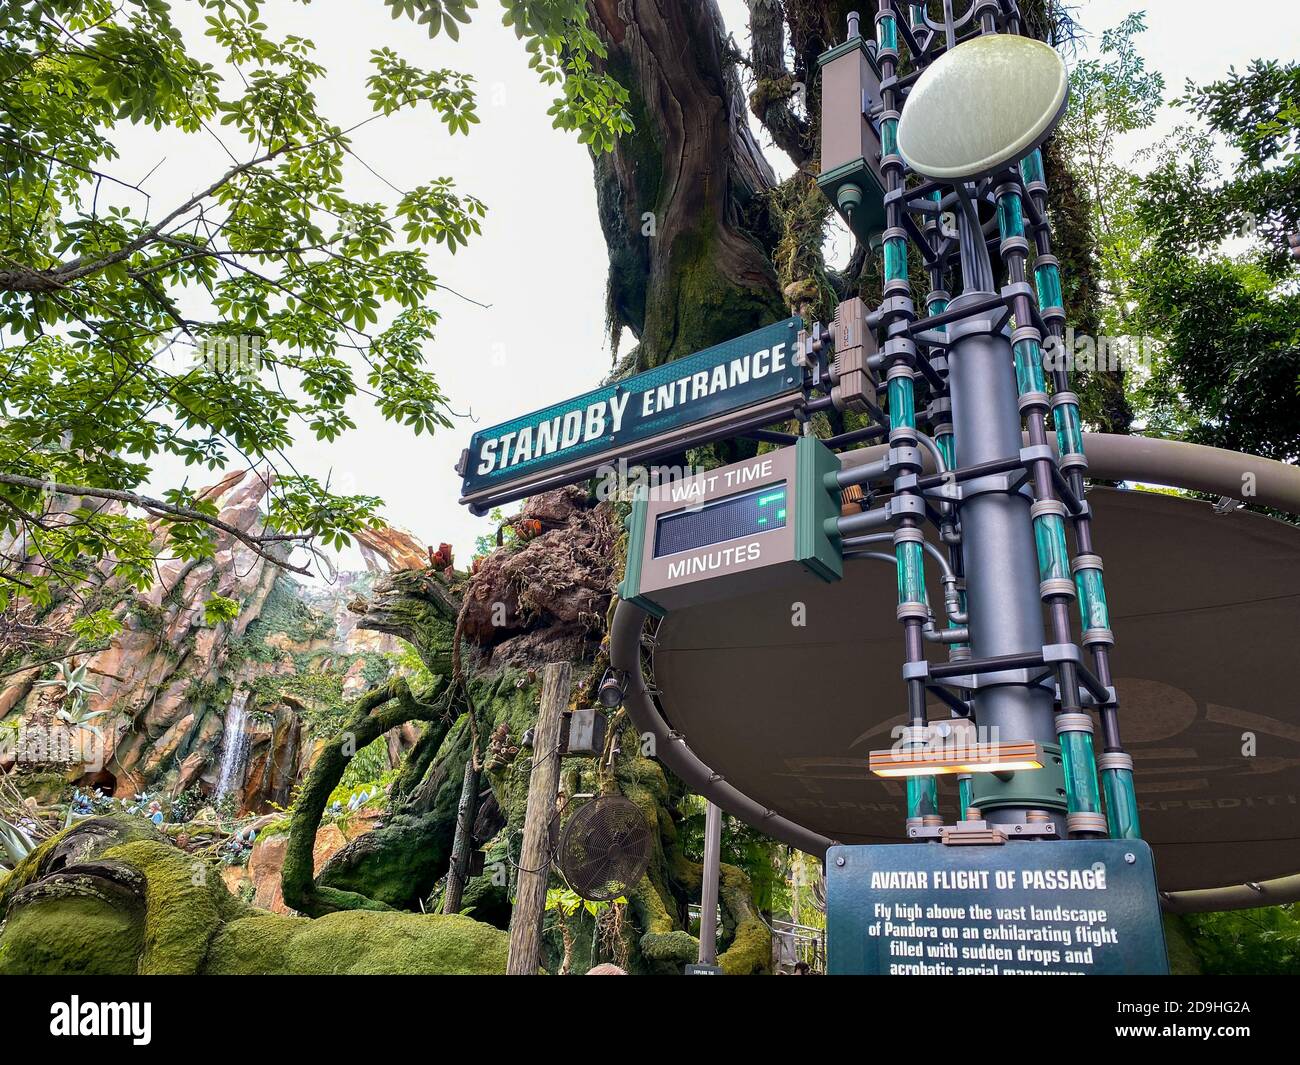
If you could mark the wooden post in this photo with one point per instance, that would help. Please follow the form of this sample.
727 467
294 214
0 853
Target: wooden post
535 854
456 875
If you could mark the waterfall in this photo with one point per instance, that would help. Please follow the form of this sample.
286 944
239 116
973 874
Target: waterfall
234 746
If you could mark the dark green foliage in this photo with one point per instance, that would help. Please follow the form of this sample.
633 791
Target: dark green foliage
1262 942
1258 114
218 328
1231 324
1231 358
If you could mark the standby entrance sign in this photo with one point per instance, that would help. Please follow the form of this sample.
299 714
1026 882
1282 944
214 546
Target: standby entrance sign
1075 907
743 384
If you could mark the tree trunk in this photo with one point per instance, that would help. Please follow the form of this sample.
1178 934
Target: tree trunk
683 198
460 847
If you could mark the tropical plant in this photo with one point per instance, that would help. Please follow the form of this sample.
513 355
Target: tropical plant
1259 942
15 844
74 710
565 903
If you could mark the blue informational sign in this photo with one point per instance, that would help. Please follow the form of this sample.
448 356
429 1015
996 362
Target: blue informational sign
926 909
629 419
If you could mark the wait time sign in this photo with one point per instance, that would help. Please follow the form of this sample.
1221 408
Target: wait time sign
745 383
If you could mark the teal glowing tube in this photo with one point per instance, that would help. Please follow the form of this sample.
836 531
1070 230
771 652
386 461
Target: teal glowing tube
1031 167
1011 222
887 33
1047 277
922 797
1094 613
965 793
888 137
911 573
1069 437
1029 367
895 259
918 15
1121 804
902 403
1082 793
947 445
1053 555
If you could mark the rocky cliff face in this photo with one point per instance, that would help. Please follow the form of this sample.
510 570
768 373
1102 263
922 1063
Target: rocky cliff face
166 682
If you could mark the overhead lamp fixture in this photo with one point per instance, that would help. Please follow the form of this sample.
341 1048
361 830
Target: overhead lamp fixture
982 106
948 760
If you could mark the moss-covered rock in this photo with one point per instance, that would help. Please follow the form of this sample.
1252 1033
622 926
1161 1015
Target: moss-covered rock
111 896
486 900
358 942
397 863
81 936
186 902
80 843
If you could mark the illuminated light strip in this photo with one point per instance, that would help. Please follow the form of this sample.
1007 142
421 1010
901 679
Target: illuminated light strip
981 758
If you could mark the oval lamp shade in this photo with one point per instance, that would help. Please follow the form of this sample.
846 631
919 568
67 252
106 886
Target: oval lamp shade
987 103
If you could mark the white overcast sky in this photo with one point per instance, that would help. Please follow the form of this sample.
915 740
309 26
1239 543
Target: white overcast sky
540 262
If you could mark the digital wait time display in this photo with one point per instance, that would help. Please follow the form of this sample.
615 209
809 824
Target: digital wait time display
733 530
747 514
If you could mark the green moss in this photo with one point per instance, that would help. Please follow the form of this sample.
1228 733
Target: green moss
750 952
283 611
359 942
486 901
186 902
148 617
704 307
30 869
316 696
398 863
71 937
166 913
375 669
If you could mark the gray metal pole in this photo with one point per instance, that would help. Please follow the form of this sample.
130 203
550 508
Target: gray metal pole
997 539
709 892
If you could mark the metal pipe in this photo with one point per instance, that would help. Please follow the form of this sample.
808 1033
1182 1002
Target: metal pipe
1173 463
872 471
854 523
709 891
959 633
947 576
998 547
1277 892
857 436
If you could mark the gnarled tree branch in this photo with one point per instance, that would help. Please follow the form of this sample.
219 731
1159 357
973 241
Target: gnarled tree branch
374 714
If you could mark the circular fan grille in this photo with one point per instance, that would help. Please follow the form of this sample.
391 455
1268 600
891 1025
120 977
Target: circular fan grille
605 849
